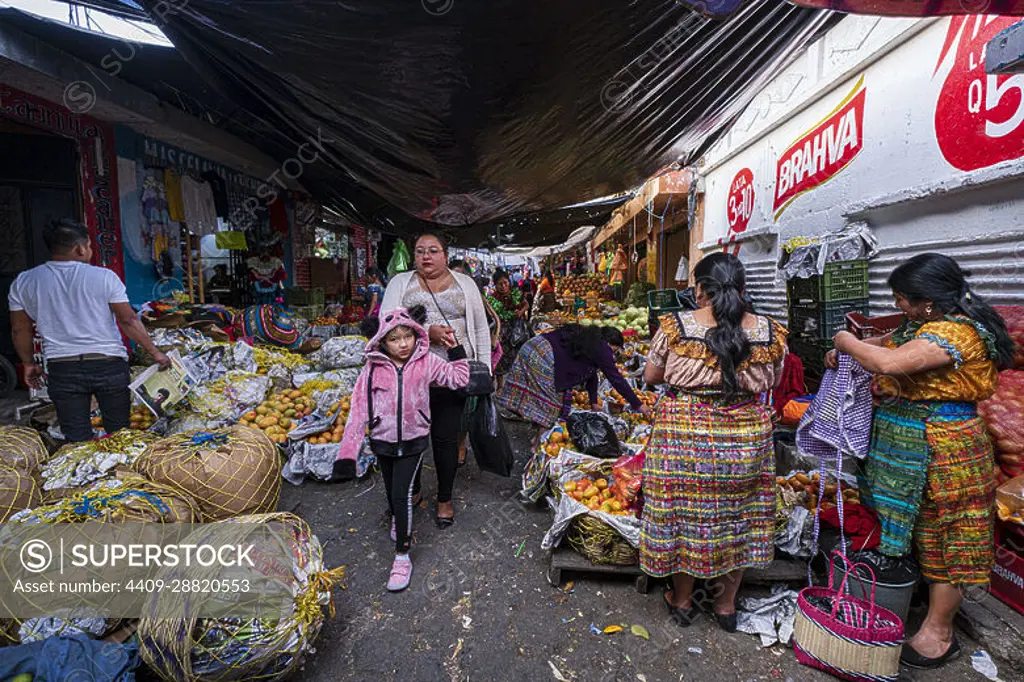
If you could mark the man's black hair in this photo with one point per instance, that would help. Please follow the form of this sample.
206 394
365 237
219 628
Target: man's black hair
64 234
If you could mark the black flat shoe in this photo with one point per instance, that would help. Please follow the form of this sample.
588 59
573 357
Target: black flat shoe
682 617
444 522
912 659
726 622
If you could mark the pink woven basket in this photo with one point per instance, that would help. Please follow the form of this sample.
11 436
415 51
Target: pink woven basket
855 639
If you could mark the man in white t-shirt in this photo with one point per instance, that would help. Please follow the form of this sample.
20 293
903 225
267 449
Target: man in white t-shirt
77 308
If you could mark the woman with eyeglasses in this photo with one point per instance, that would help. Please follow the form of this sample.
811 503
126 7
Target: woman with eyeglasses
455 317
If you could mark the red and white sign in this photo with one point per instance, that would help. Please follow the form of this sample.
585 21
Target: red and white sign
979 118
823 152
741 201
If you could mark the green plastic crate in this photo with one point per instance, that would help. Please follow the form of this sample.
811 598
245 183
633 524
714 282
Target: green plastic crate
823 320
842 281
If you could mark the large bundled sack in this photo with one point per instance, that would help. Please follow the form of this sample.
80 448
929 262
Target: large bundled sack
246 648
18 491
125 498
228 472
22 448
78 464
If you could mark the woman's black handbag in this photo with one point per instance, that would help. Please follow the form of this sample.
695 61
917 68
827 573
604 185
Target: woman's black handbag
519 333
480 380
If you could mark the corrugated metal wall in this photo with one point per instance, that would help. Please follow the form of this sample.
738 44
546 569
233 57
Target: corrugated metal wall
995 263
769 298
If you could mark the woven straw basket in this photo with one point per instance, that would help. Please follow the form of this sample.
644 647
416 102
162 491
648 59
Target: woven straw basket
857 640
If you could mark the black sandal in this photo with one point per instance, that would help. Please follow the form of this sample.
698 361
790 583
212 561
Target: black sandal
682 617
912 659
726 621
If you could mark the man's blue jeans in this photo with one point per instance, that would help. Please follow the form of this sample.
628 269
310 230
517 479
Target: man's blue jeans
72 384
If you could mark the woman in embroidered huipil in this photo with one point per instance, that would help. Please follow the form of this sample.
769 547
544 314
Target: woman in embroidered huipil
709 474
929 472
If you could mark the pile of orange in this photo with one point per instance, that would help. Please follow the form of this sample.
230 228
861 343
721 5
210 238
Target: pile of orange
141 418
558 439
596 495
334 434
279 414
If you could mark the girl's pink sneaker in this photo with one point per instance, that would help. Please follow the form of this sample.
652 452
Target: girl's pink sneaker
401 573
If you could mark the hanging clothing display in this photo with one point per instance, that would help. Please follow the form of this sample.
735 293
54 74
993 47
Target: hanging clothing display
278 216
220 192
200 210
172 188
159 234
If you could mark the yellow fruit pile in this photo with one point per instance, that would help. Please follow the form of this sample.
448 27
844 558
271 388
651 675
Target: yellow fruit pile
581 399
325 322
333 435
278 414
141 418
559 438
596 495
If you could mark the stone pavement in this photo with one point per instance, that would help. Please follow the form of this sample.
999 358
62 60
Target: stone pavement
477 611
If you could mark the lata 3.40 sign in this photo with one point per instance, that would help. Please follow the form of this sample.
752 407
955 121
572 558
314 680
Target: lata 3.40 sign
823 152
979 118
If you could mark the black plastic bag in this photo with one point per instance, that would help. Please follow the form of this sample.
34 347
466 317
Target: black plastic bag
480 381
593 434
491 447
519 333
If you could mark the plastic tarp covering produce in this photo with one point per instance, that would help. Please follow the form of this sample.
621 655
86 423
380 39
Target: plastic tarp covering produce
459 113
917 8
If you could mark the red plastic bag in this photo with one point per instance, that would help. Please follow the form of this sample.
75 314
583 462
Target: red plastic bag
626 474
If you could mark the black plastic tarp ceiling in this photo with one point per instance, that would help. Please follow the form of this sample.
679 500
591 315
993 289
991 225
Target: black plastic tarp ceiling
462 113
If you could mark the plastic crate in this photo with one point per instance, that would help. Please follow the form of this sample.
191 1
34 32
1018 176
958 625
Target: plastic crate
865 327
1008 569
842 281
812 353
296 296
317 297
666 300
307 312
823 320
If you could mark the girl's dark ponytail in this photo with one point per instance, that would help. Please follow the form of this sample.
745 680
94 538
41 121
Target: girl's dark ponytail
939 279
722 279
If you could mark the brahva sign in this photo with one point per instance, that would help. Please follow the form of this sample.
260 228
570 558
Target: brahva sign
823 152
979 118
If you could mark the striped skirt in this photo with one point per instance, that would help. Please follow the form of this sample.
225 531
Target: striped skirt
947 509
709 488
529 388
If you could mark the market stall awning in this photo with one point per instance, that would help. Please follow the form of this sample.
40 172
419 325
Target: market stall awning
656 195
917 8
462 113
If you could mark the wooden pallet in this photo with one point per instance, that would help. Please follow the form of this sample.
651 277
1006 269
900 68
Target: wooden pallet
566 559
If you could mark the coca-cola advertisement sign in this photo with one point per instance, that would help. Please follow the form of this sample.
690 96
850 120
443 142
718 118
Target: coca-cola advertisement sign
823 152
979 117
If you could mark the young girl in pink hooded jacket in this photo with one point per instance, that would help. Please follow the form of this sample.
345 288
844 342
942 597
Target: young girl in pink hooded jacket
391 399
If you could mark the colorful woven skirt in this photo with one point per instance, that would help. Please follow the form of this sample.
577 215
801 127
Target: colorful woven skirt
929 477
529 388
271 324
954 535
709 488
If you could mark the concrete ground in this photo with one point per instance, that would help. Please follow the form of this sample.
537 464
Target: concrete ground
481 609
